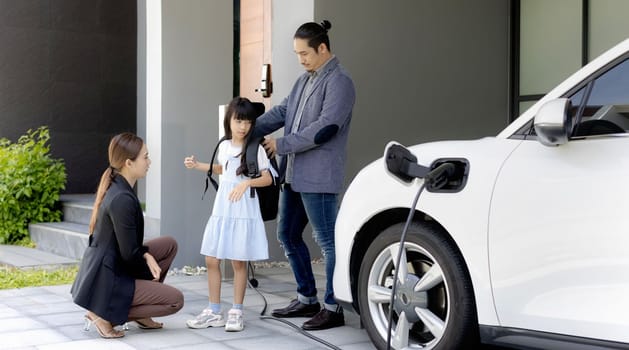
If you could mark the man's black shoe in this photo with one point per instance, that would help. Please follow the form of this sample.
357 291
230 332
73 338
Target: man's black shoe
297 309
323 320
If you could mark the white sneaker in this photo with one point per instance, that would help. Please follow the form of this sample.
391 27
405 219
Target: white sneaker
235 322
206 319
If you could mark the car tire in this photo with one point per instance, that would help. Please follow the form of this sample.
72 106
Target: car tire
441 315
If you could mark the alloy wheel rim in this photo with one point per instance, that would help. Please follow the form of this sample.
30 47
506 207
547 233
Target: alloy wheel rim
421 307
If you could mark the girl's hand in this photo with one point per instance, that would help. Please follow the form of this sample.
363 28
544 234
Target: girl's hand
190 162
238 191
153 266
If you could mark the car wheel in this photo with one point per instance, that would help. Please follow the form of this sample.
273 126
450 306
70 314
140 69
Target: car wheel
434 303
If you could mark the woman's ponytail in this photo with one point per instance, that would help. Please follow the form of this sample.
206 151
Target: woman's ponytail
103 186
121 147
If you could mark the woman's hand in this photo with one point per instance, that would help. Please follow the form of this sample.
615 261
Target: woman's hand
153 266
190 162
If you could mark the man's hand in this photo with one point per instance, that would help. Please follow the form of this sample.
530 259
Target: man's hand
270 146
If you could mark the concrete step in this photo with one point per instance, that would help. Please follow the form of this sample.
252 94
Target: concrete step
77 208
66 239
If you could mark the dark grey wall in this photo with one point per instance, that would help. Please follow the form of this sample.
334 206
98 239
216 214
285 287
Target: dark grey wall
70 65
423 70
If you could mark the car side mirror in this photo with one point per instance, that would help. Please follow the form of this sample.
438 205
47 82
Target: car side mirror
553 123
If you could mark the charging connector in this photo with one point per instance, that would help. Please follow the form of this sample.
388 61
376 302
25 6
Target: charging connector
444 175
450 175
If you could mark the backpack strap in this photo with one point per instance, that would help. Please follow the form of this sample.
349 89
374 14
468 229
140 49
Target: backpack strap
251 148
253 170
209 171
251 154
251 158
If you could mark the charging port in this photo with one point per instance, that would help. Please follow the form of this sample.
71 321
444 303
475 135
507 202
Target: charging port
456 182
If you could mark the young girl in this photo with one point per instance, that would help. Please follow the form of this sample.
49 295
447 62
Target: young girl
235 230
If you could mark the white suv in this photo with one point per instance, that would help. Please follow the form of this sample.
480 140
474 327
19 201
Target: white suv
521 239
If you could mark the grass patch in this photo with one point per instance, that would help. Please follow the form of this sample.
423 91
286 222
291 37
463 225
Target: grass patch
25 242
11 277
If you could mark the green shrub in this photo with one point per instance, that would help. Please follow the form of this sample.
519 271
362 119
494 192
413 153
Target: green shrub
30 183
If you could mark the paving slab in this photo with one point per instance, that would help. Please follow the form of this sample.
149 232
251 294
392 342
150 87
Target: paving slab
45 318
28 258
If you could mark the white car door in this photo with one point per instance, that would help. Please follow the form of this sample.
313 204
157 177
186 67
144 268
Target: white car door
559 225
559 238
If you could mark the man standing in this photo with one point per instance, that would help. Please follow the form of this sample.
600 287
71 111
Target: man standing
316 116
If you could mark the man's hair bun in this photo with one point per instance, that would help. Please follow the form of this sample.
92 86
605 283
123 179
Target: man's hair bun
326 25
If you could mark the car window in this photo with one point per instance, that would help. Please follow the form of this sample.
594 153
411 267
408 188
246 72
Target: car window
602 106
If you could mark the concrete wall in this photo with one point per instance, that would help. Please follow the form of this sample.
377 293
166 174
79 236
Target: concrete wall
287 16
197 73
141 83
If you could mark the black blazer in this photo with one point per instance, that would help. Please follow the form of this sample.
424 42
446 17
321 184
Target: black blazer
113 260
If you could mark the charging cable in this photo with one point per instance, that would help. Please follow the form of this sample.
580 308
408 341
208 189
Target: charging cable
406 168
300 330
253 283
433 180
411 213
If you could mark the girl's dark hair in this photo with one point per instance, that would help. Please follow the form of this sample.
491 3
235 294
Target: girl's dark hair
242 109
121 147
315 33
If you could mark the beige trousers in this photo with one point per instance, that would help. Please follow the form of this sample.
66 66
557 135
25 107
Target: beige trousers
153 298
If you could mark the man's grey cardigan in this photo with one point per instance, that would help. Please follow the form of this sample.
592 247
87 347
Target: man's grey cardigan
320 143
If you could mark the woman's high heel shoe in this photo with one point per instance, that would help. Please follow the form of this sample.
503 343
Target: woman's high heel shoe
104 328
148 323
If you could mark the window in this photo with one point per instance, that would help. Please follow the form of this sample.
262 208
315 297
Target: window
553 38
602 106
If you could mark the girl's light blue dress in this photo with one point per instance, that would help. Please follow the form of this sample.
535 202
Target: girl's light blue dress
235 230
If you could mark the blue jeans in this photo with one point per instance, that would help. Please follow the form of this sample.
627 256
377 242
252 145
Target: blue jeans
295 211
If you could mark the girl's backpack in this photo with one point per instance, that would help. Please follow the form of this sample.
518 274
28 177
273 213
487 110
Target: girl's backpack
268 196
